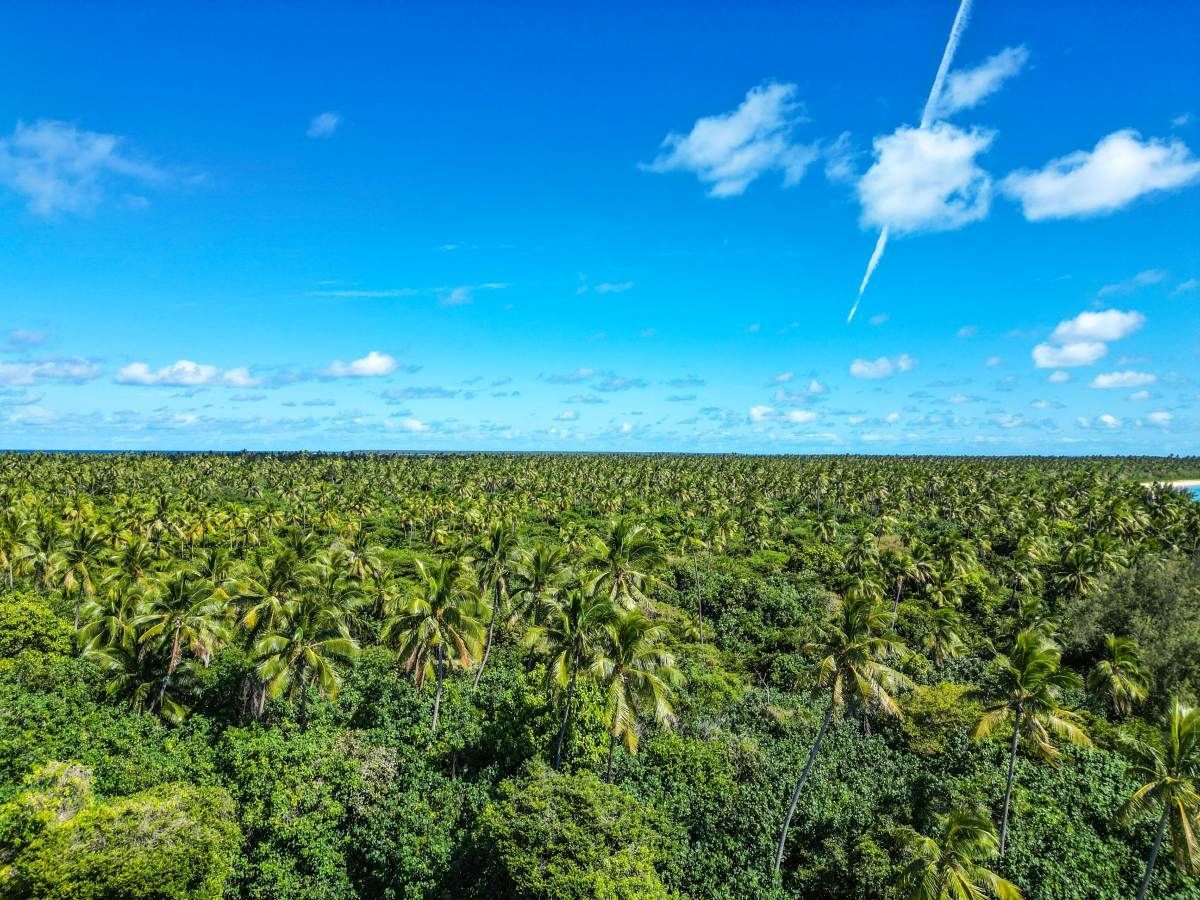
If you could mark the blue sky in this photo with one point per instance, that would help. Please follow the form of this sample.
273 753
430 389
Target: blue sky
608 227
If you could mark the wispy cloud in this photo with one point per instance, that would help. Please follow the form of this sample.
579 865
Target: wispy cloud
64 369
1117 171
1128 379
1129 285
729 151
59 168
324 125
966 88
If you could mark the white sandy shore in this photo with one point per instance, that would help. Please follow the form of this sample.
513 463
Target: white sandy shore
1187 483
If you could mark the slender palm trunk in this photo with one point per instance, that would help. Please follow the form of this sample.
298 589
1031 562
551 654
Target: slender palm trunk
1158 839
437 695
304 697
487 646
1012 765
896 600
171 664
566 720
812 757
612 745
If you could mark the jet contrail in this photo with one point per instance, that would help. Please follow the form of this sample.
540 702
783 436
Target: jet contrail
935 93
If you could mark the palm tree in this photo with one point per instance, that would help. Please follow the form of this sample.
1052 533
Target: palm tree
1121 677
81 556
183 613
493 561
627 558
1032 680
638 676
950 866
538 576
1170 779
570 639
303 650
944 638
850 651
437 628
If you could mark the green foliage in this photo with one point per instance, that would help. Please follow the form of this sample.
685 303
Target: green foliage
938 713
573 837
28 623
174 840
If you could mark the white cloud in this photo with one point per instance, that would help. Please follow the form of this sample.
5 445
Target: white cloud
72 369
966 88
892 417
185 373
415 425
815 387
761 413
801 416
883 367
60 168
1129 285
1109 421
729 151
878 319
324 125
372 365
1109 325
967 331
1123 380
1140 395
993 361
567 415
1161 417
784 377
1118 170
926 179
1059 377
1078 353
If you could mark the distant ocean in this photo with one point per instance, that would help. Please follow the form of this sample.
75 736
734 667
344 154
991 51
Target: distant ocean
1194 491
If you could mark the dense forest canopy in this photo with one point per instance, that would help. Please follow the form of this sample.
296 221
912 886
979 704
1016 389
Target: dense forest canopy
587 676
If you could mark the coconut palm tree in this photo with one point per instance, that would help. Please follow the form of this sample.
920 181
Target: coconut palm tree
950 866
437 628
1170 785
944 640
1121 677
182 613
851 648
570 640
493 554
539 574
627 558
639 677
303 650
1031 682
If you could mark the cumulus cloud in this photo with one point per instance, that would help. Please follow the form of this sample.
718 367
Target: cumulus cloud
66 369
1077 353
729 151
59 168
966 88
883 367
800 416
1117 171
185 373
372 365
1059 377
1108 421
1160 417
324 125
1108 325
761 413
1124 380
926 179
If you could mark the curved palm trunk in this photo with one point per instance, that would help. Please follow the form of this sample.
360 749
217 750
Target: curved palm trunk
896 600
1012 764
1158 839
437 696
812 757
